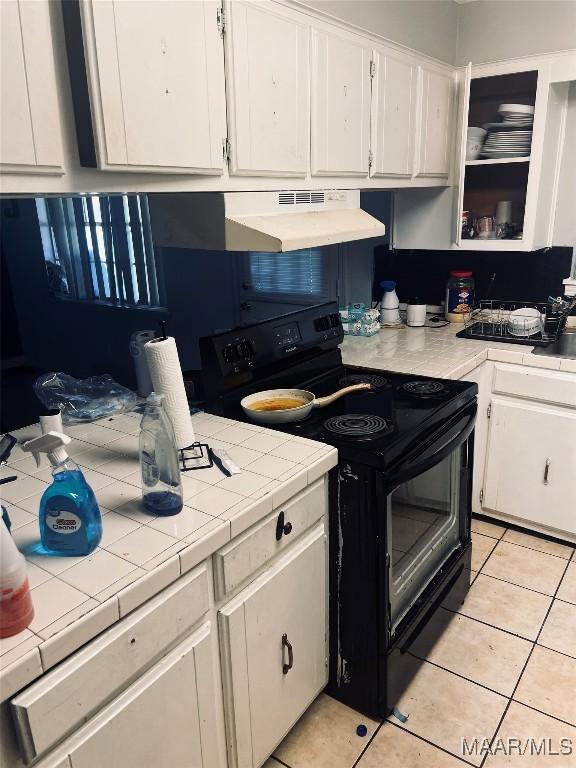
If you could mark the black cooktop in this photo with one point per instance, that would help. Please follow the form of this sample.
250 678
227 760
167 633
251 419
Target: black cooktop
301 350
397 413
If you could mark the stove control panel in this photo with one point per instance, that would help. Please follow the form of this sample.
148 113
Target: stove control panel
246 349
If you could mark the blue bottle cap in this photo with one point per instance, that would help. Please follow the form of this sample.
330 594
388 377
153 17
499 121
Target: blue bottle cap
361 730
388 285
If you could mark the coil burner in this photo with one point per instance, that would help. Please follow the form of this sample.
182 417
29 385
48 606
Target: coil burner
358 426
426 390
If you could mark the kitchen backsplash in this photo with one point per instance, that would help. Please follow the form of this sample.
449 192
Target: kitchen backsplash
519 275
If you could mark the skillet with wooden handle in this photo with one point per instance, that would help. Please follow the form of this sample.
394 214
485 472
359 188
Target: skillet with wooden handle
278 406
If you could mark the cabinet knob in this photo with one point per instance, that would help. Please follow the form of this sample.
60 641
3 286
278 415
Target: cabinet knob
286 644
282 528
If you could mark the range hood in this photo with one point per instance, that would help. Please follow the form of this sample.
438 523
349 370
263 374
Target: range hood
259 221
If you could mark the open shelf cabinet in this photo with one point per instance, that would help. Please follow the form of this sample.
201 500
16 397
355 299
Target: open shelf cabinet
488 181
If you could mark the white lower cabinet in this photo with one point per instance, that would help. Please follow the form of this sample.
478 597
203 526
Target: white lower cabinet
167 718
274 650
531 464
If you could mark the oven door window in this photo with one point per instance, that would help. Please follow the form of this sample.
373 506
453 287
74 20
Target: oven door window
423 531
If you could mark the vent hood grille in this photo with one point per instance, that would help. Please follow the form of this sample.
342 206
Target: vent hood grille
298 198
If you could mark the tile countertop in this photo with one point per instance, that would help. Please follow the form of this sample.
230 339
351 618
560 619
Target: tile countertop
75 598
429 351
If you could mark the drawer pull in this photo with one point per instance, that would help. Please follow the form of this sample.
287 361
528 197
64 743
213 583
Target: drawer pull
282 529
546 471
288 645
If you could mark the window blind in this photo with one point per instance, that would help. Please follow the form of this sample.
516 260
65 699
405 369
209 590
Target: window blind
99 248
299 273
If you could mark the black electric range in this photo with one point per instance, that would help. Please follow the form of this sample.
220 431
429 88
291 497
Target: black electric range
400 498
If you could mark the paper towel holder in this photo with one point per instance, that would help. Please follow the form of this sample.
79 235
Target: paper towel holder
201 453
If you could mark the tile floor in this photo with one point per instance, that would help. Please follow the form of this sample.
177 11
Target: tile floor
504 668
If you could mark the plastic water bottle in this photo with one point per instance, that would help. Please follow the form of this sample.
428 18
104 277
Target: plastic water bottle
161 481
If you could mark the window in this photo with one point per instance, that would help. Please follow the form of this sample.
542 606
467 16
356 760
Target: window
98 248
301 275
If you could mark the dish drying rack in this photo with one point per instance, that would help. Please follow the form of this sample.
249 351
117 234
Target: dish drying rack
488 321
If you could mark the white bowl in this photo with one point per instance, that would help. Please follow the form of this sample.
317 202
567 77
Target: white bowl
475 133
524 109
473 149
525 321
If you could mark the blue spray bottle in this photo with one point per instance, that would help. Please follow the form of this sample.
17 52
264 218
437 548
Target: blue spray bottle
70 522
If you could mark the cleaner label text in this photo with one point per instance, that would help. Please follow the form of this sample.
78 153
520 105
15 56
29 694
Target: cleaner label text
63 521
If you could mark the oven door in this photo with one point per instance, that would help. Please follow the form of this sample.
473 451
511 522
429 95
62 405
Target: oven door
428 512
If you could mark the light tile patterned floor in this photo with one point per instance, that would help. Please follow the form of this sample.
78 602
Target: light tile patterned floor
504 668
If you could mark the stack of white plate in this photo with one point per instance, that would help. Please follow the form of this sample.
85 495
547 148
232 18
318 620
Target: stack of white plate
519 114
507 141
513 136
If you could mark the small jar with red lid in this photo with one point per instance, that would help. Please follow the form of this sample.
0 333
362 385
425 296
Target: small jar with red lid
459 296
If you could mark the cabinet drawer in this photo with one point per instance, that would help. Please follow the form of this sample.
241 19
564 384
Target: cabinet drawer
235 562
543 386
66 697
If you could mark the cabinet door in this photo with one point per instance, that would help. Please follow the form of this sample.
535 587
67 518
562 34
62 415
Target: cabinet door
436 119
463 92
156 75
30 135
531 464
393 116
273 652
267 73
166 718
340 105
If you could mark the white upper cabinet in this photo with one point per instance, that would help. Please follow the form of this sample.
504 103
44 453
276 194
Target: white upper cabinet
340 92
393 130
267 89
30 133
156 81
436 122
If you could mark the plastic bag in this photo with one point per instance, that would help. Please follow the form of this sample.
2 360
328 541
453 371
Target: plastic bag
84 399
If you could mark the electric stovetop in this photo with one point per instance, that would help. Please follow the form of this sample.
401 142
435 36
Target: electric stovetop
301 350
373 426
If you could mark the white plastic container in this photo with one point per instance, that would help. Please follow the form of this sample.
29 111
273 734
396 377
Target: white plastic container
416 313
390 306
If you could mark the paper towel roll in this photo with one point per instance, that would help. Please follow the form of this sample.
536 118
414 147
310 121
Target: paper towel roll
166 375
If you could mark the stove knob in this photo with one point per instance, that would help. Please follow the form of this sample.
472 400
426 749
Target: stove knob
247 349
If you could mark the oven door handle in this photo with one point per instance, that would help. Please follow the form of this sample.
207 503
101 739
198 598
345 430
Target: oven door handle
444 444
